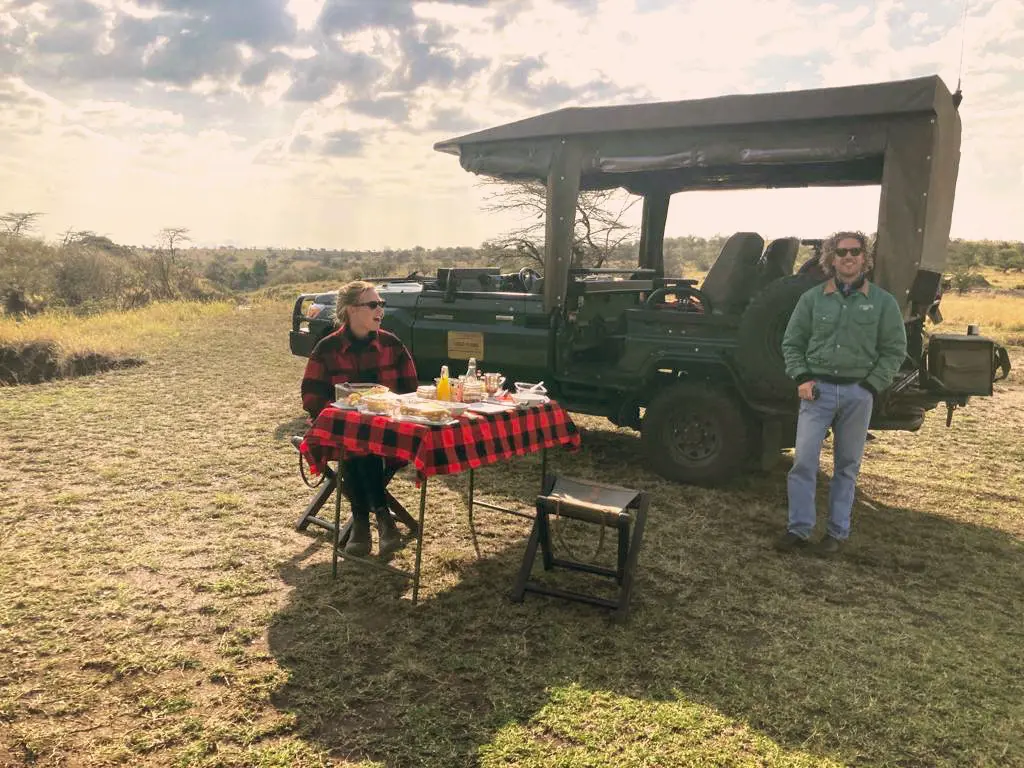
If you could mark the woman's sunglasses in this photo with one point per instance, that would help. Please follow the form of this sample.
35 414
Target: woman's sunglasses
373 304
849 251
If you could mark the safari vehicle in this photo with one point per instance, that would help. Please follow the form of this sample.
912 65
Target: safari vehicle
698 369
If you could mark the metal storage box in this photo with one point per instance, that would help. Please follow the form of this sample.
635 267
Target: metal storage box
965 365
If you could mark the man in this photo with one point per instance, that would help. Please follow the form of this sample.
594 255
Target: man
844 344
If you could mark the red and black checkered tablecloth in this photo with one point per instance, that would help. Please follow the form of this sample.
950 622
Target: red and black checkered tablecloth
469 444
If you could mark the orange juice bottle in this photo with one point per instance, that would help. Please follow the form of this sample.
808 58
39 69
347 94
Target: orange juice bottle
444 385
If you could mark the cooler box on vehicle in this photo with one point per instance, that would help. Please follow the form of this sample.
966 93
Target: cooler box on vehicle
965 365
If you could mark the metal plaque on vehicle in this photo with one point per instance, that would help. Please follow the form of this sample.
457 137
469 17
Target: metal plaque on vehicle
463 345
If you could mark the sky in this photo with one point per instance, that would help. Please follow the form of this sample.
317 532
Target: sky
311 123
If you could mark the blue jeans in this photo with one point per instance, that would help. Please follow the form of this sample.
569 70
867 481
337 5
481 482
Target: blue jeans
847 409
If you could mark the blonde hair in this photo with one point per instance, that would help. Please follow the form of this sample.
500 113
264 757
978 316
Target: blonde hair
348 296
828 251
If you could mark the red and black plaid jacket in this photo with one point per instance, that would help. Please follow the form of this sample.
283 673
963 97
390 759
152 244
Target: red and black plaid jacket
338 358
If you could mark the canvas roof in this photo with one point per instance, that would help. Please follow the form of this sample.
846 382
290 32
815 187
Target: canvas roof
889 99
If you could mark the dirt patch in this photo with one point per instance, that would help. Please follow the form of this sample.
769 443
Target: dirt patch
35 362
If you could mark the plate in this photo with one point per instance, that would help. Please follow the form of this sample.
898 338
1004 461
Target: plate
355 386
367 412
527 399
454 407
491 407
342 406
425 422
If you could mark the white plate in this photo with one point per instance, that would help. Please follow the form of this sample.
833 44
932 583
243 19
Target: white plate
345 406
454 407
425 422
363 409
491 407
527 399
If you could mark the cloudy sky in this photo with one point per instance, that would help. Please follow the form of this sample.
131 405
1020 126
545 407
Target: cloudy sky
310 123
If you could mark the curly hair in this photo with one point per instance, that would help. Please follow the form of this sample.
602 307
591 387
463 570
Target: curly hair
348 295
828 250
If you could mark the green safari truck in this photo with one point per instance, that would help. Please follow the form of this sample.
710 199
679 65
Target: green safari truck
696 367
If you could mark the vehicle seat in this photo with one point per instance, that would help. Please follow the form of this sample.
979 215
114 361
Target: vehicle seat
733 277
778 260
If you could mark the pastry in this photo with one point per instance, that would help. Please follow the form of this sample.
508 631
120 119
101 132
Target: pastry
429 411
383 402
354 398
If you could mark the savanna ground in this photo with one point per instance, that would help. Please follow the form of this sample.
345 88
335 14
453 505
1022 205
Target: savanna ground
157 607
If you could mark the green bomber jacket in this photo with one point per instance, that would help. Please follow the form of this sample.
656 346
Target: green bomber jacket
857 338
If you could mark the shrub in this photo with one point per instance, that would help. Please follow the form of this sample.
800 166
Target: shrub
965 280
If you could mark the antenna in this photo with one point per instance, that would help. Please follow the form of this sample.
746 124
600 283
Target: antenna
958 95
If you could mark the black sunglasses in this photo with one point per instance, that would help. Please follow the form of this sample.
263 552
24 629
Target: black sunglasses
373 304
849 251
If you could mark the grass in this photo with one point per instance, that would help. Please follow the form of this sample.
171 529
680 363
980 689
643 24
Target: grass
158 609
113 333
1003 280
1000 316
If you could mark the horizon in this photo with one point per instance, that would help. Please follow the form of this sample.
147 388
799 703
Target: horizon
312 122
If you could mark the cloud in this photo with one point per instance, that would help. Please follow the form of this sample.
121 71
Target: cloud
343 144
260 70
179 42
189 101
452 121
114 115
300 144
430 58
317 78
522 81
350 15
392 108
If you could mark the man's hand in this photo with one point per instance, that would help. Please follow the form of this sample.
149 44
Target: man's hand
806 390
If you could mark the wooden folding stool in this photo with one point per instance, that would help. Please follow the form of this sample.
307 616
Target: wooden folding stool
612 506
326 488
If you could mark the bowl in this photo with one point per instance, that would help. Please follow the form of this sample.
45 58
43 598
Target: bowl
525 386
529 398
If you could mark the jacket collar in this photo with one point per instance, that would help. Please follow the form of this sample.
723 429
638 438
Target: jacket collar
344 339
830 286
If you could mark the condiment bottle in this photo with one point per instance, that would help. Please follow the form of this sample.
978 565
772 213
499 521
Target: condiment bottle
444 385
471 369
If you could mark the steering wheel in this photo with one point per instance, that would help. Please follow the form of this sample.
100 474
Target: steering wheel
528 276
690 299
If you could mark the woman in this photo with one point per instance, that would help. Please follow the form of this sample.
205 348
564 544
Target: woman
360 352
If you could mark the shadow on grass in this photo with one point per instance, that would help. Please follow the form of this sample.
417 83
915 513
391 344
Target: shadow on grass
905 650
297 426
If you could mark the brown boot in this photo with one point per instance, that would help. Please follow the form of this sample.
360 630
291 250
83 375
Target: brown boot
390 538
358 544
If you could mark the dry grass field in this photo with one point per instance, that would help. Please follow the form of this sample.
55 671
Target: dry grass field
158 609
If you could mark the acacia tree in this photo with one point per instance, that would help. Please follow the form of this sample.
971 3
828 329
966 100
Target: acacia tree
165 258
18 224
599 233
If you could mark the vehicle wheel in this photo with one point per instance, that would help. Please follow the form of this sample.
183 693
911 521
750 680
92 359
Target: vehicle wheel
694 434
759 338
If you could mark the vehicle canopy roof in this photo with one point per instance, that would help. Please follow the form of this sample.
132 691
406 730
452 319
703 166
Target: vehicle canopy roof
903 135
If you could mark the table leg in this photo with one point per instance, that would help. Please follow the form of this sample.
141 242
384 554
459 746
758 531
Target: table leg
336 533
419 541
472 527
543 468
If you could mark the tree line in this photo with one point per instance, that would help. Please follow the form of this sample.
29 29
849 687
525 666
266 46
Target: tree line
85 272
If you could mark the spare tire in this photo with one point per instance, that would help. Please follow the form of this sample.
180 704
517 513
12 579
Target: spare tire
759 338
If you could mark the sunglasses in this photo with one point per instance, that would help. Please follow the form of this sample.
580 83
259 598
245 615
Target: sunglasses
840 252
372 304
